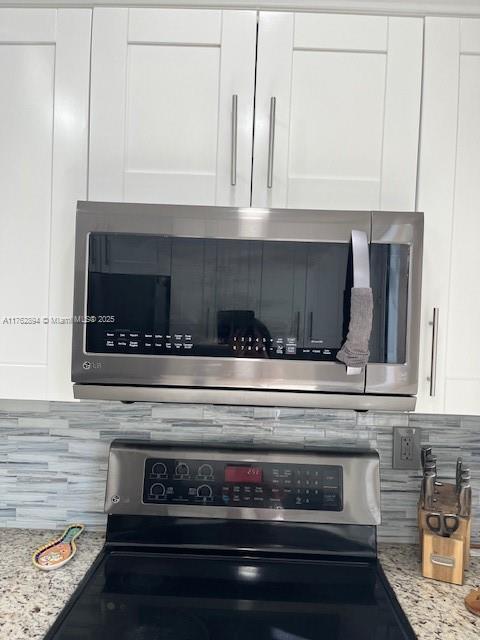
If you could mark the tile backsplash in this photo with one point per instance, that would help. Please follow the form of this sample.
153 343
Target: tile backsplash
53 456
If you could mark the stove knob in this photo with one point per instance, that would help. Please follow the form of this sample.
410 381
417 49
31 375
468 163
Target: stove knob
157 490
159 469
204 491
182 469
205 470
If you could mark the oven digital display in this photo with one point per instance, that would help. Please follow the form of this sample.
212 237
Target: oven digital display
243 473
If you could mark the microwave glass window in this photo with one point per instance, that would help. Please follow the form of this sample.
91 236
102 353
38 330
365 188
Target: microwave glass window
217 297
389 268
238 298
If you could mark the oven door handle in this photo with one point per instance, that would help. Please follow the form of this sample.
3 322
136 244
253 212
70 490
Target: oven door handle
354 352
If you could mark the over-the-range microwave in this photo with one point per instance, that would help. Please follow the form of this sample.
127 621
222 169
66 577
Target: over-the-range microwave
246 306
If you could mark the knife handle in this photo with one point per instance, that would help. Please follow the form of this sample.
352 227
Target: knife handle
465 499
458 474
429 489
425 453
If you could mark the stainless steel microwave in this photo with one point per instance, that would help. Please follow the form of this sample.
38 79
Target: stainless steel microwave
243 305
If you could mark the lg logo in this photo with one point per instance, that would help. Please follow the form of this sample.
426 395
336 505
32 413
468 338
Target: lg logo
91 365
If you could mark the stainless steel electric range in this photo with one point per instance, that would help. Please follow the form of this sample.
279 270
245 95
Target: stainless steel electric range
217 544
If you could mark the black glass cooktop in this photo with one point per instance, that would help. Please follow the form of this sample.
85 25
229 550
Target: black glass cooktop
158 595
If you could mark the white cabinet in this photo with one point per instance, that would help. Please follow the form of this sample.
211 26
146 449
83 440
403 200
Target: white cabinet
337 111
449 194
173 96
345 89
165 123
44 79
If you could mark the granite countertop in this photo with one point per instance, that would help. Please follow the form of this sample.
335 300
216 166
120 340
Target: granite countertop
435 609
30 599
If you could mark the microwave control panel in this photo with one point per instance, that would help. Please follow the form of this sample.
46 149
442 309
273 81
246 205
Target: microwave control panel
150 343
229 484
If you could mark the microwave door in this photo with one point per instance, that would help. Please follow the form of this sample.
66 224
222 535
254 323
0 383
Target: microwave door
209 297
395 266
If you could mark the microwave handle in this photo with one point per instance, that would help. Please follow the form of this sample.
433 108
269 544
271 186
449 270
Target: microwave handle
361 280
361 259
361 273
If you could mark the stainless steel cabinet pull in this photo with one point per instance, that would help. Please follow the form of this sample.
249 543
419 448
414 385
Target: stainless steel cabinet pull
233 165
271 142
433 363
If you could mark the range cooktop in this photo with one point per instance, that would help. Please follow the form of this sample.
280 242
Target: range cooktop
231 544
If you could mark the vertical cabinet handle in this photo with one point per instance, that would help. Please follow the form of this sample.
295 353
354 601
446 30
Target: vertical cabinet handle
271 142
233 164
433 362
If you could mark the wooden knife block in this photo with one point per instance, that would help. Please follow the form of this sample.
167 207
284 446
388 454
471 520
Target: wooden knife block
443 558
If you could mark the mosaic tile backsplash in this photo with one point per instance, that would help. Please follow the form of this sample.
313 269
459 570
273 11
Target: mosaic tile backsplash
53 456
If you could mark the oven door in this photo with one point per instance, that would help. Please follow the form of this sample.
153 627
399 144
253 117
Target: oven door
213 297
395 268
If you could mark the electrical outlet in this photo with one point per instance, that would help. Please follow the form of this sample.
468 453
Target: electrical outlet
406 447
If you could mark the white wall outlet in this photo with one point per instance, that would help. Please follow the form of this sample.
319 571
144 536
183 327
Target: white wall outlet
406 447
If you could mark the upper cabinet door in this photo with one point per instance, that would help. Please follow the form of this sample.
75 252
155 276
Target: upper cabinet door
44 80
172 106
449 194
337 111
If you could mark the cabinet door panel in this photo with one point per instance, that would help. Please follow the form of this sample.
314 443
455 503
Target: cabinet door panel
43 116
461 396
463 361
168 77
323 172
27 81
347 91
470 37
435 196
32 26
337 32
69 184
448 193
183 99
195 26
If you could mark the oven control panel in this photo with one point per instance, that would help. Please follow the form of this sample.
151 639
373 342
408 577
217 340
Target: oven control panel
259 485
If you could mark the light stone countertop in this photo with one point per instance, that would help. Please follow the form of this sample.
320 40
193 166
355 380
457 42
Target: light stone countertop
30 599
435 609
